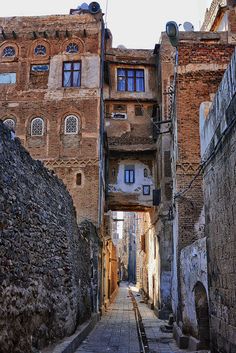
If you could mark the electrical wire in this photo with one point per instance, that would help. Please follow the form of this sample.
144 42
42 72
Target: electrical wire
207 161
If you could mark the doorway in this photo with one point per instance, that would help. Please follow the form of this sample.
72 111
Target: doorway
202 313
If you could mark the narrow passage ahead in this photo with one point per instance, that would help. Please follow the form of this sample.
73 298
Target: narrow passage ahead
116 332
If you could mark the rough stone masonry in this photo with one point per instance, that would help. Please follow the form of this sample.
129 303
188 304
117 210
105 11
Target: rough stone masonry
44 287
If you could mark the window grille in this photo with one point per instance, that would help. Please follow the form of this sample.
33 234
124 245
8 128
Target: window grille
71 124
37 127
40 50
10 123
72 48
9 51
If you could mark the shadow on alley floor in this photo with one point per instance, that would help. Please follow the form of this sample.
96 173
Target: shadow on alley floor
116 332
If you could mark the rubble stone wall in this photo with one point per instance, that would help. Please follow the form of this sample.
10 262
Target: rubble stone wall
41 275
219 195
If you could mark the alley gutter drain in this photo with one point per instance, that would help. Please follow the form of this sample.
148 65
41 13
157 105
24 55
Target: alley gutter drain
144 347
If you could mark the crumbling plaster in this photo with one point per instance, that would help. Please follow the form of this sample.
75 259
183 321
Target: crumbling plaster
193 260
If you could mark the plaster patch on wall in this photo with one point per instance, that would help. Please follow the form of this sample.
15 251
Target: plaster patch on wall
193 266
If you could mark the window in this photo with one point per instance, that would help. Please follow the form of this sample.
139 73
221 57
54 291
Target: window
146 189
145 173
8 78
121 108
72 48
71 74
129 174
40 68
10 123
71 124
138 109
130 80
40 50
37 127
78 179
121 116
9 51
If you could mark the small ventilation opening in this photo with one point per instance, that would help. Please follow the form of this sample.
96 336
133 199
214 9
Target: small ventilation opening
78 179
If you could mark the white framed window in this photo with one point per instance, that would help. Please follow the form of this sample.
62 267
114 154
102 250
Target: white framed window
37 127
10 123
71 125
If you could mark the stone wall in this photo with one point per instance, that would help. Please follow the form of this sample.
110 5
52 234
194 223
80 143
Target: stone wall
219 140
45 289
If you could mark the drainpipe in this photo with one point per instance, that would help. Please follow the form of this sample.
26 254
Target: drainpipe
101 161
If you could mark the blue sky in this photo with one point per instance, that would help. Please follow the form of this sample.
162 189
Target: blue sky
134 23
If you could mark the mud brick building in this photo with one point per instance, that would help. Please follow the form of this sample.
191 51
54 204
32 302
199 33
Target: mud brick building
194 78
129 93
120 127
134 178
50 93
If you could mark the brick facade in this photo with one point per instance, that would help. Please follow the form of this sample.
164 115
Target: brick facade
202 60
41 94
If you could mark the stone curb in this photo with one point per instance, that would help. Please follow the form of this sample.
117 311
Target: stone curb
71 343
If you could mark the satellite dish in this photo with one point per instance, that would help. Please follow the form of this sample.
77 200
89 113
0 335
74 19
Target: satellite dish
83 7
121 46
188 26
94 7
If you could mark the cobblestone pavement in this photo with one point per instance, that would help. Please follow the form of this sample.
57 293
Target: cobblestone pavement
116 332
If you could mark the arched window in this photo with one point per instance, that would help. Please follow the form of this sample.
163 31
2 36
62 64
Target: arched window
37 127
145 173
9 51
40 50
71 124
72 48
10 123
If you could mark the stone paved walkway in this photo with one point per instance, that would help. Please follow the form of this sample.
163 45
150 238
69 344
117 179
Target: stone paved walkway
116 332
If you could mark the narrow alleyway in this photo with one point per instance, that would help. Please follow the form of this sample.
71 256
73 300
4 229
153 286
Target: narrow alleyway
116 332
